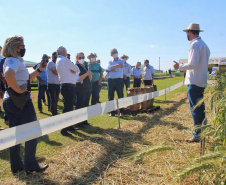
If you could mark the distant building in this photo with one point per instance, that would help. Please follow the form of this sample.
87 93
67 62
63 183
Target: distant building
213 62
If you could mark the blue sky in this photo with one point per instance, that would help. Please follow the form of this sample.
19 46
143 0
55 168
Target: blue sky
141 29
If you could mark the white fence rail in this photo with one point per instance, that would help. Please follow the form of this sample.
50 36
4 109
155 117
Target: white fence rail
19 134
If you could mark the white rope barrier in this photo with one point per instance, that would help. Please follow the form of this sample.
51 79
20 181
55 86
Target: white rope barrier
19 134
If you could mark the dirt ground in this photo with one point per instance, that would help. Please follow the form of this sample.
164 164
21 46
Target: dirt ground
104 159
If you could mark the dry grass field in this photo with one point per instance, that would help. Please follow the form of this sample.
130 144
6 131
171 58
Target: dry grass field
104 158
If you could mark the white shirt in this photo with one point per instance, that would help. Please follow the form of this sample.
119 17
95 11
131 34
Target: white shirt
127 69
147 72
21 72
64 67
197 66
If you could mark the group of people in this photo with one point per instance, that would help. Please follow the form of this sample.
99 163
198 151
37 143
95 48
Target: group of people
77 81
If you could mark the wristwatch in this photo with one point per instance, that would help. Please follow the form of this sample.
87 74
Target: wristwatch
39 70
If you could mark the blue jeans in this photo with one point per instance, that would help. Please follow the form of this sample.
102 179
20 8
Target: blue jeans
195 94
95 92
54 91
136 82
41 91
19 117
127 82
82 100
115 85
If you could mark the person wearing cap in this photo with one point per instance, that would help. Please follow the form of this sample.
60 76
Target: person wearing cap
136 74
68 74
53 84
148 73
95 68
42 85
83 88
126 71
115 78
196 75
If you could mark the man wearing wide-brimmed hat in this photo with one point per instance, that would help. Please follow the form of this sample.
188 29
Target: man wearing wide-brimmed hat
196 75
126 71
95 68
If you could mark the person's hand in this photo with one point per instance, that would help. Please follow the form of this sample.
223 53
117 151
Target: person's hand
121 65
23 88
176 65
89 73
125 77
99 82
41 83
73 72
41 66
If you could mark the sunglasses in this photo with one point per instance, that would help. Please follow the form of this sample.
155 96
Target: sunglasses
81 58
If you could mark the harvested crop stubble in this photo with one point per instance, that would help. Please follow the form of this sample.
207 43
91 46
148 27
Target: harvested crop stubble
103 159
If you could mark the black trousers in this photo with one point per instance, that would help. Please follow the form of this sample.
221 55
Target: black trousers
147 82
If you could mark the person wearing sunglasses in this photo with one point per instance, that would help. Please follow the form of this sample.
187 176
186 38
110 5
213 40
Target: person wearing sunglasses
18 80
83 88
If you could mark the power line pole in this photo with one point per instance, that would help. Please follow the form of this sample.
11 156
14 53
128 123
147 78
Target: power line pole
159 64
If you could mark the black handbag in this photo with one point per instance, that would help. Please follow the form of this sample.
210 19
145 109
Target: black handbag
19 100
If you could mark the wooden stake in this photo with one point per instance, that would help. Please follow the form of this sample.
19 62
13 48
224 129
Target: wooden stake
119 126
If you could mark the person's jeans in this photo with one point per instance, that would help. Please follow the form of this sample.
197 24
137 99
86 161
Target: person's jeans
147 82
41 91
136 82
127 82
195 94
99 89
19 117
68 92
115 85
54 91
95 92
82 100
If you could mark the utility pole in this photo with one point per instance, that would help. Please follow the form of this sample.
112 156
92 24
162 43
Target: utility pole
159 64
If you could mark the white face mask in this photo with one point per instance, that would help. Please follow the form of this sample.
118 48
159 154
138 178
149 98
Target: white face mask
115 55
81 61
138 67
92 59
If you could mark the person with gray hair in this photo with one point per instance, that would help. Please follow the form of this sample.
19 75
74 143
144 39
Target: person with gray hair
68 74
115 78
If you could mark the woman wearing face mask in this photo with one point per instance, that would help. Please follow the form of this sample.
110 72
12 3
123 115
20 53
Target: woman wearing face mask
18 80
136 74
83 88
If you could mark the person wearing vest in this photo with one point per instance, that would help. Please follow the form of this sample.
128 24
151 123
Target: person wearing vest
83 88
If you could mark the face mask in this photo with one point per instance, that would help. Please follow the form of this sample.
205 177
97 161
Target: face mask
115 55
22 52
92 59
138 67
81 61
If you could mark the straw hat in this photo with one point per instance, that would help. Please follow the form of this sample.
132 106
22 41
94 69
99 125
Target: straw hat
124 56
92 55
192 27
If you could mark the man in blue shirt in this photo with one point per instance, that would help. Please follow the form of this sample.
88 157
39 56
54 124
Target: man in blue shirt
136 74
115 78
99 87
42 85
96 77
